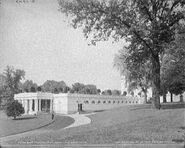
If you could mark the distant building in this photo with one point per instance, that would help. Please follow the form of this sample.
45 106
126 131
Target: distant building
66 103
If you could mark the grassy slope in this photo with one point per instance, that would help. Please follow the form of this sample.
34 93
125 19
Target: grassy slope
30 122
127 124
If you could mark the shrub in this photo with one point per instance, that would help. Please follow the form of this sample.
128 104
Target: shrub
14 109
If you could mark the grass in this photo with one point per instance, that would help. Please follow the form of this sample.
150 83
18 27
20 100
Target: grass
9 126
128 124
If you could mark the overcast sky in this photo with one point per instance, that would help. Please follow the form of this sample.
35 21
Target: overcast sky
36 37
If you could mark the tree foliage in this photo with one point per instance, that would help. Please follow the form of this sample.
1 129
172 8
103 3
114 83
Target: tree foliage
84 89
147 25
116 92
137 76
12 82
173 65
53 86
29 86
14 109
107 92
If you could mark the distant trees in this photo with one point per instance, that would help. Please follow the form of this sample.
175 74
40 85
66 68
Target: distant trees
54 86
14 109
29 86
116 92
84 89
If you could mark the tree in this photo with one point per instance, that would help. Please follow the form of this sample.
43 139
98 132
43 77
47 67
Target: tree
39 88
32 89
66 89
29 85
147 25
90 89
137 76
12 81
107 92
116 92
124 93
51 86
2 89
78 87
173 66
14 109
98 91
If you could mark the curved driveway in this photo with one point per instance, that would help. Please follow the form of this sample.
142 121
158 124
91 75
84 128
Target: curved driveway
80 119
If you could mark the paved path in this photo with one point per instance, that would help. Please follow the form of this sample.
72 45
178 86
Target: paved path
80 119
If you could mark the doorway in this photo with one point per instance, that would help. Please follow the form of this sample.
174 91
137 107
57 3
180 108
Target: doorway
79 107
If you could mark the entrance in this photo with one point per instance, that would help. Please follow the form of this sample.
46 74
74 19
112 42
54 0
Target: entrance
79 107
45 105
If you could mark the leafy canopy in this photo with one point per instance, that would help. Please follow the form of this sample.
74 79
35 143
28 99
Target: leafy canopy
14 109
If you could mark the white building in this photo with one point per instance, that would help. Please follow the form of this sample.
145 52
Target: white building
71 103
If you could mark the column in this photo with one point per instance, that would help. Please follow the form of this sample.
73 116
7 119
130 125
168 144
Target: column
36 105
30 104
51 104
46 105
40 105
26 106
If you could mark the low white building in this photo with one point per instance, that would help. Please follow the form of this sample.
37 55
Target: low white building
71 103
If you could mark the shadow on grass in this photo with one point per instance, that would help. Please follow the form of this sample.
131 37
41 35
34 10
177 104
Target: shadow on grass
172 105
178 140
146 106
25 118
98 110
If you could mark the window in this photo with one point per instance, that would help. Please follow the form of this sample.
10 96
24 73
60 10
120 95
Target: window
93 102
86 102
125 101
133 102
109 101
113 101
129 101
121 101
136 102
118 101
104 101
99 101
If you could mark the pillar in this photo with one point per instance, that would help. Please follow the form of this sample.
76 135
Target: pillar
30 105
36 105
39 105
51 104
26 106
46 105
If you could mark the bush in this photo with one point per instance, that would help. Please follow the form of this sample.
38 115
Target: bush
14 109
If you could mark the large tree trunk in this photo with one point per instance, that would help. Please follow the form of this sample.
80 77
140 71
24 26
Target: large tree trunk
156 82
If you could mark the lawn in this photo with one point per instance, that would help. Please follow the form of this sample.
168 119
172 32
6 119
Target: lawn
8 126
128 124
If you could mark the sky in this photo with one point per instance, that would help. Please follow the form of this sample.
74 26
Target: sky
37 38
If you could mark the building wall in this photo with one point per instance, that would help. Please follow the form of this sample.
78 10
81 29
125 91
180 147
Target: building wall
68 103
98 102
60 104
